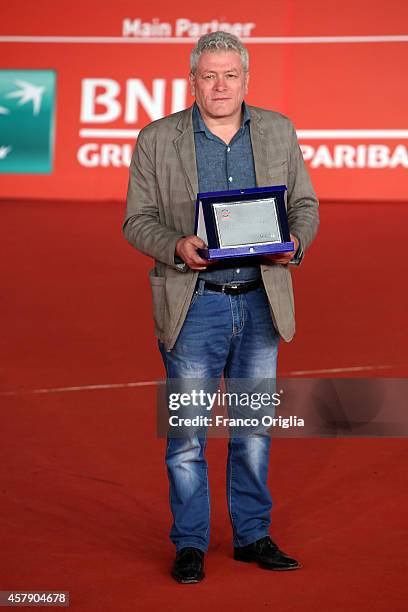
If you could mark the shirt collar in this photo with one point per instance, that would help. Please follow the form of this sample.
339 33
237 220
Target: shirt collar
199 125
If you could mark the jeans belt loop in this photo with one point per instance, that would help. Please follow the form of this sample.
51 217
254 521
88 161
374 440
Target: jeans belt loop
200 286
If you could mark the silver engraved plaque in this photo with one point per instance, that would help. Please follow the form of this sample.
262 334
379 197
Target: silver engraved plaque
247 223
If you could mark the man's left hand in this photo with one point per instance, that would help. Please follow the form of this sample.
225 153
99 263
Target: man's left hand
284 258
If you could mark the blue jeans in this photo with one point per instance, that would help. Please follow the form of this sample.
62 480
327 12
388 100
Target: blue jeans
234 336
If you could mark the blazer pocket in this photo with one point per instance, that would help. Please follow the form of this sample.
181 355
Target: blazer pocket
158 287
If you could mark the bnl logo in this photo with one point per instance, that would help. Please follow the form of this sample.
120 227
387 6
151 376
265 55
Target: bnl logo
27 100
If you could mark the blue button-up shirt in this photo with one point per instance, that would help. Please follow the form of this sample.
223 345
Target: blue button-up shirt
222 167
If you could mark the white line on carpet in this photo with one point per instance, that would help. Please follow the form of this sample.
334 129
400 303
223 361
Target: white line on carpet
150 383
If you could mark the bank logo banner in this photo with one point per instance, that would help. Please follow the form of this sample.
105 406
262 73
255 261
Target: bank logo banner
27 106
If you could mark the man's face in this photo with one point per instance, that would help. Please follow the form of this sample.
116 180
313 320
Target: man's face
219 84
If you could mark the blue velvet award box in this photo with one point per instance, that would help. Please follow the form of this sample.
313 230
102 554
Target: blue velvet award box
242 222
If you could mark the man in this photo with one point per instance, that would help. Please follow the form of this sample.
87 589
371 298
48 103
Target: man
225 318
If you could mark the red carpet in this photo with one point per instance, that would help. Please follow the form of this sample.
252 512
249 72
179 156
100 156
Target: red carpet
84 492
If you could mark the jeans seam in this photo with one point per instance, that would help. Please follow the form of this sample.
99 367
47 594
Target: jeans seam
230 494
232 316
239 311
241 303
207 490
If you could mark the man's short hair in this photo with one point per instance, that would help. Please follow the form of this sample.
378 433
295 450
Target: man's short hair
218 41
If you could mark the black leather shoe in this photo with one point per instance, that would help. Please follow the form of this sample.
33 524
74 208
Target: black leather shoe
188 566
266 554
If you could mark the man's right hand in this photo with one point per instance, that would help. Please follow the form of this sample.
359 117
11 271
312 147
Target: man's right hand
186 249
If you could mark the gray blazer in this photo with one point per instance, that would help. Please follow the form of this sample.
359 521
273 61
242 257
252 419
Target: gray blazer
160 210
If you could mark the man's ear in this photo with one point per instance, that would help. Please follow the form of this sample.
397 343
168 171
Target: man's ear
192 83
246 82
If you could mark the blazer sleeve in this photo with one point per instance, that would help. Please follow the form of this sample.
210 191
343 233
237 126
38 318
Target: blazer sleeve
144 226
303 214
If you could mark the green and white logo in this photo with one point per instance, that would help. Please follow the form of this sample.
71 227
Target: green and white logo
27 100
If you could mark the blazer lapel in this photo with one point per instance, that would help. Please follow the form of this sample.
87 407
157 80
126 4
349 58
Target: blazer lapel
185 147
259 149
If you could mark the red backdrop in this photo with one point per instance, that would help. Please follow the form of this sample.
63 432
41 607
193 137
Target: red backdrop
340 66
